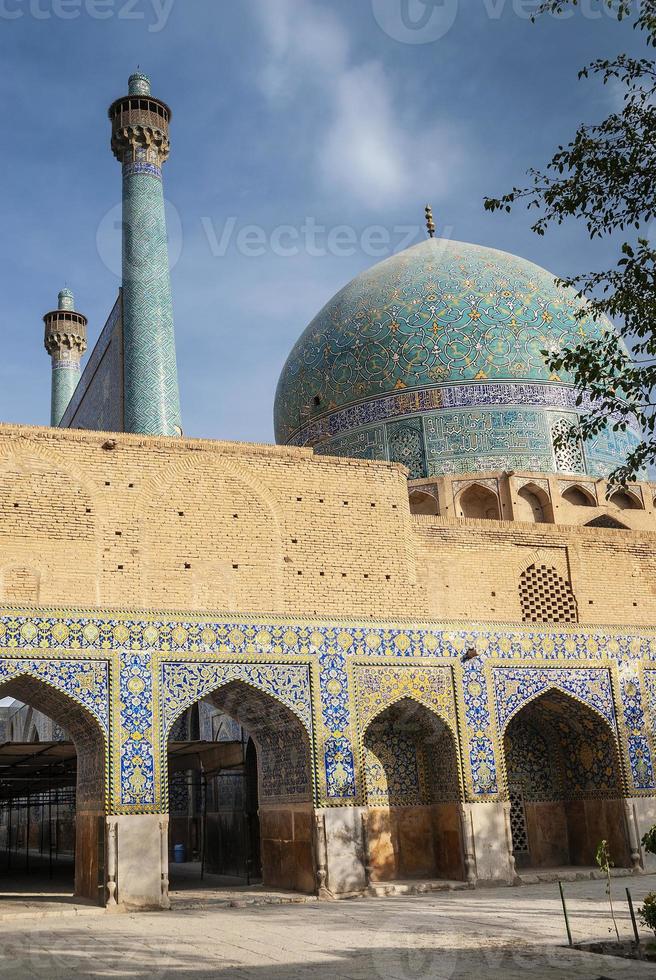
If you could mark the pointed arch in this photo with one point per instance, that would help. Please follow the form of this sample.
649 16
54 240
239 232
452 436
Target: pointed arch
533 505
424 502
281 732
90 741
626 499
479 502
413 791
563 771
578 495
514 687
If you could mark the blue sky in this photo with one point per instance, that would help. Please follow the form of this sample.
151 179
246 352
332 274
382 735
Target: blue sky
284 111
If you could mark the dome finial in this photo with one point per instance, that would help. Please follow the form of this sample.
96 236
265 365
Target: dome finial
430 223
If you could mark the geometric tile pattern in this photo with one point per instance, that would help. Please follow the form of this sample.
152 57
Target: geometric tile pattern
135 673
546 597
152 401
518 825
568 453
65 379
98 400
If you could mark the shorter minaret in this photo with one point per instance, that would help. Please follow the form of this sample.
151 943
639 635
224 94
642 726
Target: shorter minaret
66 342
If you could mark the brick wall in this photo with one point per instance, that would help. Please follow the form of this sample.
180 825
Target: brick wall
471 569
125 521
92 519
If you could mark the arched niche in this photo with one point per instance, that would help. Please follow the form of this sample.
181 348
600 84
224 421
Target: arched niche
579 497
86 822
422 502
276 805
479 502
625 500
413 794
533 505
565 784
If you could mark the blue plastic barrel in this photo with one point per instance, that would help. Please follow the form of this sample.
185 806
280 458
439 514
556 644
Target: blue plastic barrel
179 855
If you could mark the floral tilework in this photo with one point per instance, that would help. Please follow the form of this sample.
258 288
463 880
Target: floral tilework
137 674
182 684
515 686
483 759
640 758
86 682
138 776
379 686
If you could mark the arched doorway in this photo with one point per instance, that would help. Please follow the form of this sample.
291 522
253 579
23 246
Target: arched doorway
413 793
252 794
565 785
52 795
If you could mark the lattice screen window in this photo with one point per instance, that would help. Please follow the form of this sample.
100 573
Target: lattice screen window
518 825
569 455
546 597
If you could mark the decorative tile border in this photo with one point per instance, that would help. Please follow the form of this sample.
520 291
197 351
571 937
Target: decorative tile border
136 672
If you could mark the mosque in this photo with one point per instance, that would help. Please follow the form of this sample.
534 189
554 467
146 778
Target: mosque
411 646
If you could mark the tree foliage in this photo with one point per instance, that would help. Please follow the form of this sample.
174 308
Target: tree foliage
606 176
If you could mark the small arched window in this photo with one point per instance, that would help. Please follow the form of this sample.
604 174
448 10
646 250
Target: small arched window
533 505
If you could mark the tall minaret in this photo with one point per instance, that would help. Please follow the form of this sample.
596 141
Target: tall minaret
140 142
66 342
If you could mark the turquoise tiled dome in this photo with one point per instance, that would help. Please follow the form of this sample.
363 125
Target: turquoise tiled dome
433 358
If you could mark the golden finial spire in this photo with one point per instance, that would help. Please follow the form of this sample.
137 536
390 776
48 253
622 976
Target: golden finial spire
430 223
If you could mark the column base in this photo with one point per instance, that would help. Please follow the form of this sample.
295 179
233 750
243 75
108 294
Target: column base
138 879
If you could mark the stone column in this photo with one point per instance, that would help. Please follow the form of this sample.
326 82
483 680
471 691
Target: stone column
140 142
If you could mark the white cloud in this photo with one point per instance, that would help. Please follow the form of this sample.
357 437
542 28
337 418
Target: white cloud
302 38
366 146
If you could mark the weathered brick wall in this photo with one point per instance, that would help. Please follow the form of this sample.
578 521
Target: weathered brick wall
89 519
181 524
471 569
